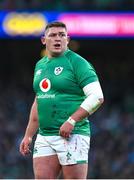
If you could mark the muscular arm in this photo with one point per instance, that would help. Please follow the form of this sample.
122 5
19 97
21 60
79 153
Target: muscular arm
30 130
82 113
33 121
94 99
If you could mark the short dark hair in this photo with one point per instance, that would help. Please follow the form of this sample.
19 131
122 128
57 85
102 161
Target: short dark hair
55 24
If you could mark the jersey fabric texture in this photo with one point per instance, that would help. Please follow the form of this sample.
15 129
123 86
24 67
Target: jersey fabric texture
58 85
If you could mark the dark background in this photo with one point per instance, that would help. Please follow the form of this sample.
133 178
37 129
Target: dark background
112 144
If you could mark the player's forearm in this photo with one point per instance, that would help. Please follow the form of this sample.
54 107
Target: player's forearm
94 99
81 113
31 128
33 122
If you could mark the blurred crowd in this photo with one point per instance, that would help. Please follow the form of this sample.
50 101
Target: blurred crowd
67 5
112 144
14 108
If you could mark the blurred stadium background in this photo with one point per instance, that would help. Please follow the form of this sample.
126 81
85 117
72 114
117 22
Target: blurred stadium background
109 47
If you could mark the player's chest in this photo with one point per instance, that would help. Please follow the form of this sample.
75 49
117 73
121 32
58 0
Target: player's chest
58 76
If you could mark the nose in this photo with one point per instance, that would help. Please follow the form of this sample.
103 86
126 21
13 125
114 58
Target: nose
58 37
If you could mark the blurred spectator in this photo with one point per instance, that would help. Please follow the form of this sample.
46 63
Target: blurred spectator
70 5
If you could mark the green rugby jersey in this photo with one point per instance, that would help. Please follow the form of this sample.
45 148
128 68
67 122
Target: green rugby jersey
58 84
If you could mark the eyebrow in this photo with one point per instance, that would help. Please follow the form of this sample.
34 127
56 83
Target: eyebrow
58 33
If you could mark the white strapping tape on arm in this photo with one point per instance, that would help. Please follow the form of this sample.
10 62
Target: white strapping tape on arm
93 92
71 121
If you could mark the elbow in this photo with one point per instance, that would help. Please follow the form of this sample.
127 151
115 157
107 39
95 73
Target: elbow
35 119
101 100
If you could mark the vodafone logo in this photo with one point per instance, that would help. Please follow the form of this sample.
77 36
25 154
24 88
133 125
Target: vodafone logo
45 85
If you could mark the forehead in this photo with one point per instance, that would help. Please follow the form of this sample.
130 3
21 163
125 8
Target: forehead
56 30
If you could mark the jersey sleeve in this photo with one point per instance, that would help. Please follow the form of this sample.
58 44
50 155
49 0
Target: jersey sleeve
35 75
84 72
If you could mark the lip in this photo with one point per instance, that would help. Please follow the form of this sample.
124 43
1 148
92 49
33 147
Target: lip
57 44
57 47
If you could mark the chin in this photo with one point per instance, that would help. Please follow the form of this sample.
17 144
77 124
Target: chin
57 53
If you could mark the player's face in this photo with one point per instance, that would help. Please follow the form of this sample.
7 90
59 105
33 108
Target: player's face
56 41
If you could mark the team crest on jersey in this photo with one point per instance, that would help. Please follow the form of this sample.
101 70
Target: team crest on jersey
58 70
45 85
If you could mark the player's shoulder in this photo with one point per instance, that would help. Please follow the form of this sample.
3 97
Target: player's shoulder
76 59
71 54
41 61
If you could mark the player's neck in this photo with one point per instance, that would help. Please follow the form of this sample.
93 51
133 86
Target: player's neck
54 55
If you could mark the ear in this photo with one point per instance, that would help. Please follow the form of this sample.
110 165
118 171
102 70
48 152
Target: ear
43 40
68 39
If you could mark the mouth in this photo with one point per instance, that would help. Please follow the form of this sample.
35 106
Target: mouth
57 45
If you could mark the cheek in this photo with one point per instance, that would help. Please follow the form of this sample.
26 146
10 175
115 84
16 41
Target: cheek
48 43
65 42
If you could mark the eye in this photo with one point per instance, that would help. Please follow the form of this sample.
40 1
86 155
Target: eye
52 35
62 35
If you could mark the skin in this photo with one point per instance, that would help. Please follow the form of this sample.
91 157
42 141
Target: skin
30 130
53 36
56 41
